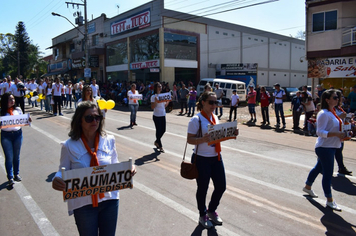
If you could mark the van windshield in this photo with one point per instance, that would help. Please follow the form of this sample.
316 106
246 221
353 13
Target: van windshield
233 86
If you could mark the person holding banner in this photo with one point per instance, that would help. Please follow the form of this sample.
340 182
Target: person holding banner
133 104
11 139
208 159
87 146
87 94
159 115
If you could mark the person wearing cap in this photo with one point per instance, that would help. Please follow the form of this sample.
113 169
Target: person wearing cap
278 96
352 99
234 104
251 103
319 93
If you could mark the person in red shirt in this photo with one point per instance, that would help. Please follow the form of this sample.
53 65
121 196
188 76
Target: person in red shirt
251 102
264 99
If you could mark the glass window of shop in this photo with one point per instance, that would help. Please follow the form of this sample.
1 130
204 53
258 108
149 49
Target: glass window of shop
177 46
145 48
117 76
117 54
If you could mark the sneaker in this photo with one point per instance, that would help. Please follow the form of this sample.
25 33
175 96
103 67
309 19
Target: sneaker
17 178
215 218
310 192
254 121
250 120
277 125
345 171
134 124
284 126
55 114
60 114
11 182
333 206
205 222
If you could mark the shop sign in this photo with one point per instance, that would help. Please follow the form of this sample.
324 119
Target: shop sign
137 21
144 64
57 66
336 67
78 63
94 61
91 28
154 70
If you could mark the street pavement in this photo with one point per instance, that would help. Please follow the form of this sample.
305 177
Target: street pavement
265 169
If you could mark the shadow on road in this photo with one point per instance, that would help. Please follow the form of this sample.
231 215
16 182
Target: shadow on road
146 159
5 185
343 184
199 230
335 225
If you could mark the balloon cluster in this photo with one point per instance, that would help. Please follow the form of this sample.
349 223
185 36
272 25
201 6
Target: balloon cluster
34 96
108 105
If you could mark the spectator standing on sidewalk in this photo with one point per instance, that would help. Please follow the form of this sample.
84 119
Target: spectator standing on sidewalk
309 108
251 103
192 101
297 109
278 96
264 98
219 94
183 93
352 99
234 104
318 93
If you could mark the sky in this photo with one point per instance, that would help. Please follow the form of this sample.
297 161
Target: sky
285 17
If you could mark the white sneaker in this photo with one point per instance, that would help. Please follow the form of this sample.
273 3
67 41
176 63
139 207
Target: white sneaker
310 192
333 206
215 218
205 222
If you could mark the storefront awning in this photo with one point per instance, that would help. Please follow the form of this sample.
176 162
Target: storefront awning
56 72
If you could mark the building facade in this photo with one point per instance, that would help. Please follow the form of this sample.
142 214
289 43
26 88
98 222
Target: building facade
150 43
331 43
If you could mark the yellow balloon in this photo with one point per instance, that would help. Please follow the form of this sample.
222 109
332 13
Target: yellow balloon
39 100
102 104
31 93
110 104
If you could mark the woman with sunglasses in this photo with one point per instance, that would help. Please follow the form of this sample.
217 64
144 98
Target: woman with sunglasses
159 115
330 134
208 159
11 139
87 146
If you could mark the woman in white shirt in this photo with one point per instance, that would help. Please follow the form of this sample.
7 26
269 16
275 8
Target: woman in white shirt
87 146
133 104
159 115
11 139
49 96
330 134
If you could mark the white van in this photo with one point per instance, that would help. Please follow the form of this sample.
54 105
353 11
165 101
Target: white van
227 86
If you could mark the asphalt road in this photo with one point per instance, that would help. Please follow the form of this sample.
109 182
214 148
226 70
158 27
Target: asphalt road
265 170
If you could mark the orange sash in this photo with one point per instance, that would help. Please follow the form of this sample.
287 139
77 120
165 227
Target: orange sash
10 111
217 145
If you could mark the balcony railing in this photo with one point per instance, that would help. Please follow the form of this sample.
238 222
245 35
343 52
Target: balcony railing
349 37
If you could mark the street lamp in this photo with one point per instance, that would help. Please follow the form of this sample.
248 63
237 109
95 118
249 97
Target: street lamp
85 37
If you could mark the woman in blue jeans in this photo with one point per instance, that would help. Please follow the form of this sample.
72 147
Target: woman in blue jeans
208 160
330 134
11 139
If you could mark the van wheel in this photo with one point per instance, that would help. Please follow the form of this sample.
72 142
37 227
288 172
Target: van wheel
226 101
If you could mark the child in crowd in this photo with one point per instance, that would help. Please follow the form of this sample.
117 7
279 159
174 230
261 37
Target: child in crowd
312 122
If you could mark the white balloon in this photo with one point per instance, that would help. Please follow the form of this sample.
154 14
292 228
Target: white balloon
33 99
36 97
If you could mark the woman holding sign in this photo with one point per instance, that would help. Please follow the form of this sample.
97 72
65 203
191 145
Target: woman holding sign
208 159
159 115
87 146
133 104
87 94
11 139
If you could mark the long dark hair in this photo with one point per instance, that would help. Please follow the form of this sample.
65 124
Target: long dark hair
155 87
203 97
326 95
85 88
76 124
5 103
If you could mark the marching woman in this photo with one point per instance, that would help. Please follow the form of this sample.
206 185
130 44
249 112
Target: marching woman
133 104
330 134
87 94
159 115
48 93
87 146
208 159
11 139
57 96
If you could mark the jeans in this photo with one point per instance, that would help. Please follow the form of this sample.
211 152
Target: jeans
183 104
325 166
209 167
296 118
48 102
339 157
308 114
221 111
191 104
160 124
11 142
101 220
69 100
41 103
278 109
265 114
77 96
233 109
20 102
133 109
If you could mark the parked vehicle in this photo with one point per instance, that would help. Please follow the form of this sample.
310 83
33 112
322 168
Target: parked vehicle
290 92
227 86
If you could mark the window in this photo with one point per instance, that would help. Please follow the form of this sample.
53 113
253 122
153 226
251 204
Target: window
222 85
228 86
117 53
95 40
178 46
233 86
323 21
72 47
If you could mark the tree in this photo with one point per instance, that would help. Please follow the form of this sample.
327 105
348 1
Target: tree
22 46
300 35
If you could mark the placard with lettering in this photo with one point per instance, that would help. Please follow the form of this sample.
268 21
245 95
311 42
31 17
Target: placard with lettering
222 132
14 121
164 97
135 97
97 179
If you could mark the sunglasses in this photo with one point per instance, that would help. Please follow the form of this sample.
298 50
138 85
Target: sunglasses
90 118
335 97
211 102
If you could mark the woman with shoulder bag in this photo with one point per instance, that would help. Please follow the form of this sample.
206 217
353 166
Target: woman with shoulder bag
208 159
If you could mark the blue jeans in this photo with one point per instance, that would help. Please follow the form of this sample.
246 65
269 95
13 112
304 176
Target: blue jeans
325 166
48 102
278 109
209 167
191 104
68 100
11 142
101 220
339 157
221 111
133 109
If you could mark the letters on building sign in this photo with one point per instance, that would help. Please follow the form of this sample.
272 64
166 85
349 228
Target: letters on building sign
138 21
337 67
144 64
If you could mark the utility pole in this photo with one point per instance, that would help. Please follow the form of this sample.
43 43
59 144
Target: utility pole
86 41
